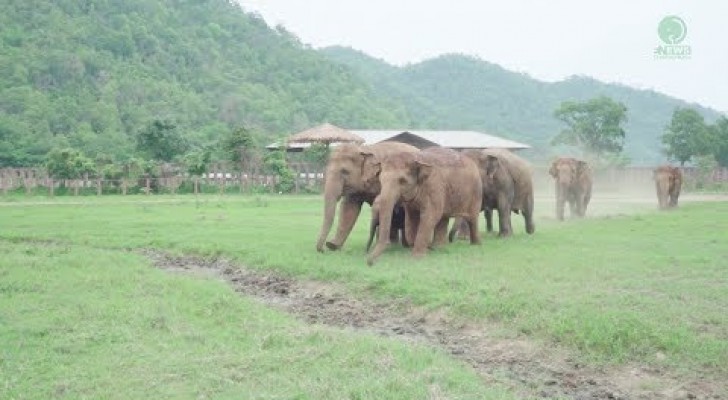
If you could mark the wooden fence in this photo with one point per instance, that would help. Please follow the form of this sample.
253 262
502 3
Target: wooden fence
306 180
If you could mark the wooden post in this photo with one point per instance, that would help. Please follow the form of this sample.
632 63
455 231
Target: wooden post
75 183
98 187
196 185
51 187
148 186
123 186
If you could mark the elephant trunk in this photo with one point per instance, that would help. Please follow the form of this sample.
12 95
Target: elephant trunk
386 209
332 193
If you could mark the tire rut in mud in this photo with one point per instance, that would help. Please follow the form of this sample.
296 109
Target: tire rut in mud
520 364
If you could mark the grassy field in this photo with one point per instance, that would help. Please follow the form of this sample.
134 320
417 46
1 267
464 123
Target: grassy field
627 285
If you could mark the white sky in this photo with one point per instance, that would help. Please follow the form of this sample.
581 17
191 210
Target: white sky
612 41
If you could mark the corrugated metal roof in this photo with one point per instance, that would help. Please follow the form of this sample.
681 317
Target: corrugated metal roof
452 139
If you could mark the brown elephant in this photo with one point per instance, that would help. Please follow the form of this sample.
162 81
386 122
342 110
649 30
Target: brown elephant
396 232
507 187
433 185
573 180
344 179
668 182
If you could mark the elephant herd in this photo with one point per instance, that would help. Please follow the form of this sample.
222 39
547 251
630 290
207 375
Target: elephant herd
416 193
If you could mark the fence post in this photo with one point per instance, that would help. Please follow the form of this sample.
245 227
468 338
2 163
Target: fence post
123 186
51 187
196 185
148 186
98 187
76 183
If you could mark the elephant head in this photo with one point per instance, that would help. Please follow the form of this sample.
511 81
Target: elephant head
400 177
343 175
566 171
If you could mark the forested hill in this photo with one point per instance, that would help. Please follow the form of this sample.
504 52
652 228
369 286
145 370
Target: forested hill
90 74
462 92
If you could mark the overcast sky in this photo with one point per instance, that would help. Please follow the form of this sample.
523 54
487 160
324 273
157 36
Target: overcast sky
612 41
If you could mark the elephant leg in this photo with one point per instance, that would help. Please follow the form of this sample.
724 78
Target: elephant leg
472 220
454 229
348 213
425 230
373 229
572 208
440 232
504 218
528 216
394 235
560 207
411 225
489 219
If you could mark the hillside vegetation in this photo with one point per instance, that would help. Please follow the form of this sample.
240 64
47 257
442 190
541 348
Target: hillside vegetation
92 75
462 92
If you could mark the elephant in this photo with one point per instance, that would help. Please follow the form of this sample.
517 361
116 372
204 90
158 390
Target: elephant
507 186
433 185
573 181
344 179
668 182
396 232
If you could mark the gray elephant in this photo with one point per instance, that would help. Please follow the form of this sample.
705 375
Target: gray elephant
507 187
668 182
573 180
433 185
344 180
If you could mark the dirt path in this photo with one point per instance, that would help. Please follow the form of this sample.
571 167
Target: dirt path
521 364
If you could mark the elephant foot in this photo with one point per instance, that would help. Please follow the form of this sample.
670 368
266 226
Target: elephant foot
504 234
333 246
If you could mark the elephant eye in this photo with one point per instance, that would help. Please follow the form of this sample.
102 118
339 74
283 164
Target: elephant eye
344 171
402 181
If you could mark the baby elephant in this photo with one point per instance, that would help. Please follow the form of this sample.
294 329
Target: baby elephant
397 231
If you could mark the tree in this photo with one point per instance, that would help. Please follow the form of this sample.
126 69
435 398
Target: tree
719 141
686 136
160 141
238 146
68 163
594 126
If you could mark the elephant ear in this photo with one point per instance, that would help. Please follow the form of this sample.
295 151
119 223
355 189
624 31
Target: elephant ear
581 167
553 171
421 171
491 165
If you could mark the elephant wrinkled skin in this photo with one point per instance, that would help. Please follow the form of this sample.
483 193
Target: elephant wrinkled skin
507 186
433 185
668 182
573 180
344 179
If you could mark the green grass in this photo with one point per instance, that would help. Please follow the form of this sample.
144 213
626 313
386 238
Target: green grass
78 322
644 286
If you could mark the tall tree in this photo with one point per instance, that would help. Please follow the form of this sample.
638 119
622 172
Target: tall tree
594 126
719 141
160 141
686 136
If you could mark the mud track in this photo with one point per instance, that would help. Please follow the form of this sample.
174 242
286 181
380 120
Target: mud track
529 368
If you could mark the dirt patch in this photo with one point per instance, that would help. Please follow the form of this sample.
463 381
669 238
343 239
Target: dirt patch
520 364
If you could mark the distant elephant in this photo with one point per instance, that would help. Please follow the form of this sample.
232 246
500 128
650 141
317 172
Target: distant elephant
573 180
344 179
507 186
434 185
396 232
668 182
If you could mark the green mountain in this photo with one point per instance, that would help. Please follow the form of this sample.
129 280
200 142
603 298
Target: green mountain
463 92
91 74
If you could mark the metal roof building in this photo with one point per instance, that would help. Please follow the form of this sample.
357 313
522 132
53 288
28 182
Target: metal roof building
426 138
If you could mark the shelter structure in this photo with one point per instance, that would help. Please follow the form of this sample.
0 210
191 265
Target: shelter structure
457 140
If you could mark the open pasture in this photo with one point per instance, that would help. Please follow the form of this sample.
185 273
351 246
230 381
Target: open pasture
626 286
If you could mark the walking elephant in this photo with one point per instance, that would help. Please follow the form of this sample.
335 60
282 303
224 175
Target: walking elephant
668 182
433 185
507 187
396 232
344 179
573 180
